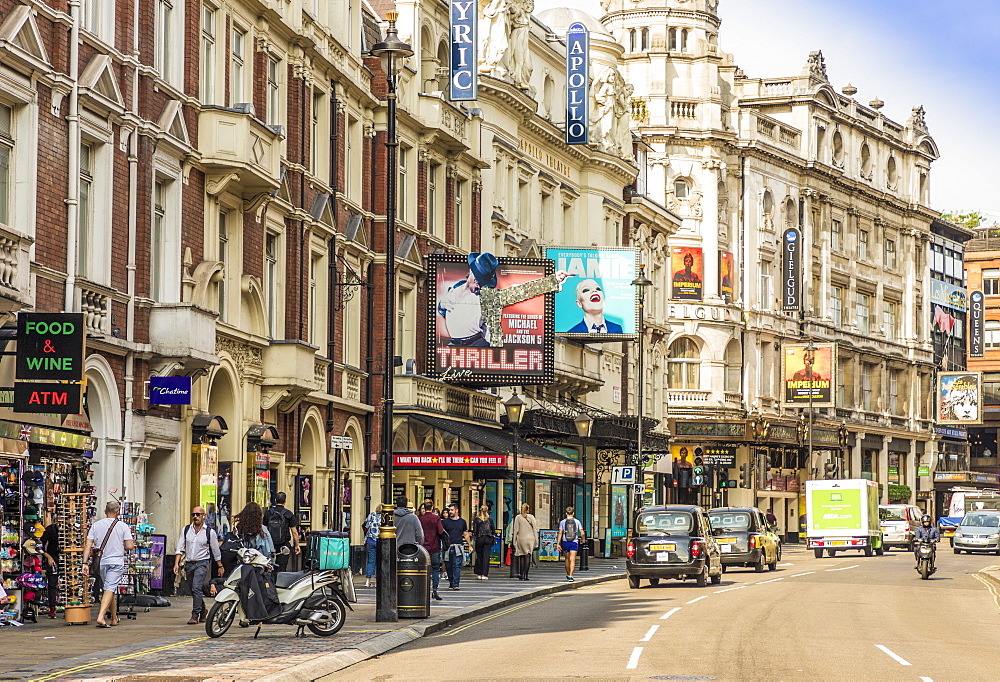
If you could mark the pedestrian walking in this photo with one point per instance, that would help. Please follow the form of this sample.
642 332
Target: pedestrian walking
408 529
483 538
50 553
251 531
434 533
458 530
569 539
525 540
371 526
198 544
283 525
771 519
112 539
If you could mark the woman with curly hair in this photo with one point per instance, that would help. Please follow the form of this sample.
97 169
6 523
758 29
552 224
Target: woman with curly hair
249 527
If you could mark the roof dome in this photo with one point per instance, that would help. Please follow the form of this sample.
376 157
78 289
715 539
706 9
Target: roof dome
559 19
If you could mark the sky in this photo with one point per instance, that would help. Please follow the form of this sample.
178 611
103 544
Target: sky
941 54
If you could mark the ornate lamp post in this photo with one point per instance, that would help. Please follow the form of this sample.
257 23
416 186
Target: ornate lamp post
390 51
584 425
514 407
641 283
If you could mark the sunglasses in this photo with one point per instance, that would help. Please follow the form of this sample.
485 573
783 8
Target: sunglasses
196 514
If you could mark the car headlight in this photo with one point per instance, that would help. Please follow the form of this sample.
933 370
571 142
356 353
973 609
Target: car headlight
958 535
994 536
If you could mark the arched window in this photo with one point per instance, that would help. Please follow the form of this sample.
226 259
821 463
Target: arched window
442 64
632 44
791 215
684 40
684 369
768 204
734 367
672 40
428 62
645 39
866 159
682 188
838 149
891 174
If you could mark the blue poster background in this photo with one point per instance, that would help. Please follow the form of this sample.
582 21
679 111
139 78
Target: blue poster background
613 270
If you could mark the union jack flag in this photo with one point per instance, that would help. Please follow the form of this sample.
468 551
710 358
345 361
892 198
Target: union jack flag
25 432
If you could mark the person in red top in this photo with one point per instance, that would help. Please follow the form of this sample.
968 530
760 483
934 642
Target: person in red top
433 532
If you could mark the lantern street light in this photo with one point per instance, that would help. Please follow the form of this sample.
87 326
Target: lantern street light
584 424
514 407
641 284
390 51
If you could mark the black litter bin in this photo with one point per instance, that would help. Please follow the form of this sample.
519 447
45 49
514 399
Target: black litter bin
413 581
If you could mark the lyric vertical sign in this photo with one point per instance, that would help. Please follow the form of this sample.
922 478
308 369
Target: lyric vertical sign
976 305
464 82
577 84
791 270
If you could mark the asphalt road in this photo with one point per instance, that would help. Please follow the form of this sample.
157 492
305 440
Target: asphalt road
843 618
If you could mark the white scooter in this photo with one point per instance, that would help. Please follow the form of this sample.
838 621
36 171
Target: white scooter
309 599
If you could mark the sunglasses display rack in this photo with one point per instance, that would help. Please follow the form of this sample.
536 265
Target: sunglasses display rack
73 514
139 562
11 536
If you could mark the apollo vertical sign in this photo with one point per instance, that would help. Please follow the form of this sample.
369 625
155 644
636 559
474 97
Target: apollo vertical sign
791 270
464 41
577 83
976 305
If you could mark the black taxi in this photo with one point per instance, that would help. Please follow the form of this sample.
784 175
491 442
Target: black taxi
672 541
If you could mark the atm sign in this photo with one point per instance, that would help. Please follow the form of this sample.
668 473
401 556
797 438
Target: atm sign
50 346
42 398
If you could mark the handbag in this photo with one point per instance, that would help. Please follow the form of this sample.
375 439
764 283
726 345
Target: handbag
510 552
95 556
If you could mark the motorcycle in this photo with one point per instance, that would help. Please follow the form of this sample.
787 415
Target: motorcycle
925 558
309 599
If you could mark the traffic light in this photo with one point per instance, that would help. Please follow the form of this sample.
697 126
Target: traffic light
698 472
709 475
830 469
746 474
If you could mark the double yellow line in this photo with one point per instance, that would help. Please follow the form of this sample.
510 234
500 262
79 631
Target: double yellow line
989 586
455 631
97 664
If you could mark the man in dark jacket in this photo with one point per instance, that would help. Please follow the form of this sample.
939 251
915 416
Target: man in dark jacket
430 523
408 528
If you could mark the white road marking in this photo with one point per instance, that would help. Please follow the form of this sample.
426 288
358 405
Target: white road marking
730 589
772 580
649 635
845 568
798 575
633 660
926 679
671 612
786 564
895 657
704 596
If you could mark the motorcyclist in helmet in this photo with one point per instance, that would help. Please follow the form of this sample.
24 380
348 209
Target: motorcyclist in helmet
927 531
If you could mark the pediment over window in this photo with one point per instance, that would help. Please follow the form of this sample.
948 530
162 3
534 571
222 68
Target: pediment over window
172 123
20 38
99 83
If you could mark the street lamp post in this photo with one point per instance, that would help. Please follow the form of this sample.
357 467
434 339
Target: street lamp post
389 51
514 407
811 349
641 283
584 425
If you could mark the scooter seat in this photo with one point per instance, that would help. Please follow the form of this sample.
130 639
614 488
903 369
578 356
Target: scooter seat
289 578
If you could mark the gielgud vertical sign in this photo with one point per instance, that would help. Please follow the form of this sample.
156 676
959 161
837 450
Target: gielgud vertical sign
491 320
791 270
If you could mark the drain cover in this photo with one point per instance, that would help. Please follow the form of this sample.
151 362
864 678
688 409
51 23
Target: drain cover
681 677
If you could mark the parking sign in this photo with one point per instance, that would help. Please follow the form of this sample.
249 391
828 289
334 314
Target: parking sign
623 475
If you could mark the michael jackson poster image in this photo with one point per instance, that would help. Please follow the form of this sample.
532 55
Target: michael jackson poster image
959 398
808 374
491 319
687 267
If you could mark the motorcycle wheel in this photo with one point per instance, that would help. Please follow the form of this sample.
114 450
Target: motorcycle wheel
220 617
925 569
339 618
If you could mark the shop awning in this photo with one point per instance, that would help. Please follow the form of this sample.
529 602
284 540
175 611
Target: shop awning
532 458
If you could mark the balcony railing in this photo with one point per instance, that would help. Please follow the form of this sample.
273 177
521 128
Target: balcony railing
441 397
235 141
678 395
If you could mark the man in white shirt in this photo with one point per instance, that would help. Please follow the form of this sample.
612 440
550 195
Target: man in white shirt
112 538
199 545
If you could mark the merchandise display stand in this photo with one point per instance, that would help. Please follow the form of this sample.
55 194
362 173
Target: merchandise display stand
11 537
138 563
74 588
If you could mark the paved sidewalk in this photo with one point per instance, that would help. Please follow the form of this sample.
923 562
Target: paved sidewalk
158 644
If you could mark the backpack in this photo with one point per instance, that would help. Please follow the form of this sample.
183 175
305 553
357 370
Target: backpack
570 530
209 530
277 526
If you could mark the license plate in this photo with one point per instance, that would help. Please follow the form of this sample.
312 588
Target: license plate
663 547
727 541
726 549
838 543
885 529
663 556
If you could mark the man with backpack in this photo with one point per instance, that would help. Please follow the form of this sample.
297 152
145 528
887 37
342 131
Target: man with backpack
435 540
569 539
283 526
198 543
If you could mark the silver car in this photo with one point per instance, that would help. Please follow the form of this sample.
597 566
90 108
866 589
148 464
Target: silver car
979 531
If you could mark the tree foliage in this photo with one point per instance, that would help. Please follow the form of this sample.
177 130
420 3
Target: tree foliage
971 220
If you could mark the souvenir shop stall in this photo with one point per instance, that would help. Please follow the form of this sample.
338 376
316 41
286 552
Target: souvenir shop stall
12 537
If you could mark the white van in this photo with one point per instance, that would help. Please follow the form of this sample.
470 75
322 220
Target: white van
899 524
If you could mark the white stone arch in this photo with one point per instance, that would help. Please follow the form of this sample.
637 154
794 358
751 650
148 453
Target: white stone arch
104 409
224 400
680 353
253 309
312 450
356 432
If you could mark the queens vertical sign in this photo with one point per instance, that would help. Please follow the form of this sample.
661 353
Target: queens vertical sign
577 84
464 41
976 324
791 270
